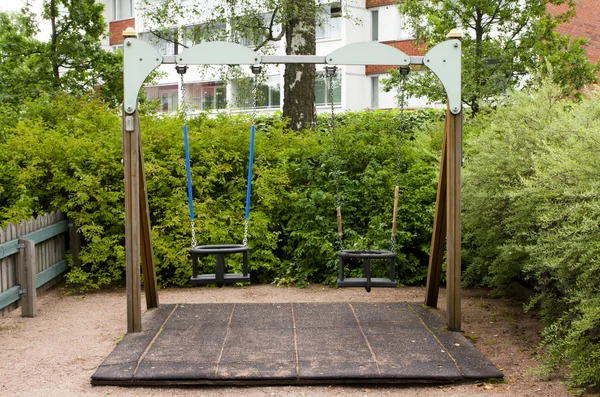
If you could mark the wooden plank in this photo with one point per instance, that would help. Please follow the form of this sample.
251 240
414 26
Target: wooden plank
131 158
48 232
148 266
51 272
7 269
12 268
40 223
8 248
2 265
27 266
438 238
453 221
74 242
9 296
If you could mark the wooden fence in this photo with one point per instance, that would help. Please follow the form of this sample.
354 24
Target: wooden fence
32 259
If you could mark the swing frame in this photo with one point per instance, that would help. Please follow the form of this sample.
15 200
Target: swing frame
140 59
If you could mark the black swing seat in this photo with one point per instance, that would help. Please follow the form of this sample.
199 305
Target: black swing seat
367 281
219 277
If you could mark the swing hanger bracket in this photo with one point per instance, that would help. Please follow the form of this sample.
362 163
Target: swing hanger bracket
404 70
330 71
181 69
256 69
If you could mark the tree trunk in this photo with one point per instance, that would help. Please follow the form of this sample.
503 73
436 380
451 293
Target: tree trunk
54 43
299 79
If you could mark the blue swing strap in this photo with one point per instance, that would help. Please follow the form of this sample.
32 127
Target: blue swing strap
256 70
182 69
188 169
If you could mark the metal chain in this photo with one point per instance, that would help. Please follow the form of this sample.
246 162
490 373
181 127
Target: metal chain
403 74
331 71
256 70
181 70
183 104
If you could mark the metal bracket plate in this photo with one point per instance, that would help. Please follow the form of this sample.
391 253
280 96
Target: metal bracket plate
444 60
218 53
368 53
139 60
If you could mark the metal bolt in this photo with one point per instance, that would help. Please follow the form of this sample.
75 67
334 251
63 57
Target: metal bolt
444 60
140 59
455 108
129 108
455 44
157 59
428 60
181 59
128 42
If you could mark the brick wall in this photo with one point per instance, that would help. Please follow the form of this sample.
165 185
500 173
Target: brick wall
586 23
379 3
116 29
407 46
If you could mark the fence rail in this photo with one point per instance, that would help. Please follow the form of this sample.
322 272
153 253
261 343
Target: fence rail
32 257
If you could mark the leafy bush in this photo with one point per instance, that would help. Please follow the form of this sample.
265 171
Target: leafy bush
66 154
531 210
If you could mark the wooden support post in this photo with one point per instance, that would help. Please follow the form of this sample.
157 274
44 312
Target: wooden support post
74 242
453 220
26 273
148 267
438 238
131 159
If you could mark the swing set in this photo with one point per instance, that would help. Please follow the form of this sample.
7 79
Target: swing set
140 59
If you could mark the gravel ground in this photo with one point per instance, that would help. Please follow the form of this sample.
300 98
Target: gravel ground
56 353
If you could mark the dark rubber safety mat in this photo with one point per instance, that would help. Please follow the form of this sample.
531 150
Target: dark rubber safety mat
292 343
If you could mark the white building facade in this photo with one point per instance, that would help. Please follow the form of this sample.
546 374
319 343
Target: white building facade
355 87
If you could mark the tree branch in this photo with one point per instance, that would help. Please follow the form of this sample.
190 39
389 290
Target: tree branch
493 16
270 37
168 39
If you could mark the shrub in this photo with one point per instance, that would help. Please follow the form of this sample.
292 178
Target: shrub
66 154
531 210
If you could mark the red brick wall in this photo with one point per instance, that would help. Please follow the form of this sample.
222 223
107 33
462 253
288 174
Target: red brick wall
379 3
116 29
586 23
407 46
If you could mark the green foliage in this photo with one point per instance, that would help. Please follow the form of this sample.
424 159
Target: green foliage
505 43
65 154
72 60
531 213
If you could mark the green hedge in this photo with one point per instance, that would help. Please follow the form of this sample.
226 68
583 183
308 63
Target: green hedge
65 154
531 213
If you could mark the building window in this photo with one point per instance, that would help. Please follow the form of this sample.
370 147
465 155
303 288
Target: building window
329 26
268 95
167 96
123 9
375 25
165 44
206 96
374 92
322 89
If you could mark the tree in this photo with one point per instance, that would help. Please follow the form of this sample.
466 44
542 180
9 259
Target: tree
21 57
257 24
71 61
505 43
78 61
